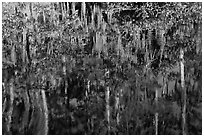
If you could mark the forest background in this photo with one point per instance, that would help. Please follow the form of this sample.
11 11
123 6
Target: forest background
102 68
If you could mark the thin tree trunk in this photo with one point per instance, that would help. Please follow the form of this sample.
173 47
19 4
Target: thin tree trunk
83 16
44 131
98 10
11 94
161 33
117 102
73 8
156 114
110 16
24 46
64 70
63 11
107 103
184 91
108 108
10 111
25 119
87 101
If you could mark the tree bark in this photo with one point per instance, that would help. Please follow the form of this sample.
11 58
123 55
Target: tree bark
10 110
73 8
83 16
64 70
108 108
156 114
107 95
39 119
24 46
184 91
25 120
45 114
117 103
87 101
43 121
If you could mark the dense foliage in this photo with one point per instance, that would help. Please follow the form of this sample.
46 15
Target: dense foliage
101 68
